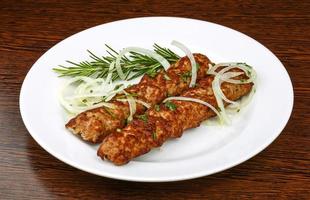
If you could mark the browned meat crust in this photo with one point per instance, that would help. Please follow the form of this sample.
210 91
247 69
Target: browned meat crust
161 123
93 125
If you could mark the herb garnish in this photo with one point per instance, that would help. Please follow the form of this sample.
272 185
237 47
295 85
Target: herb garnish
123 96
134 65
197 66
166 77
110 112
118 86
154 135
143 117
152 73
186 75
170 105
157 107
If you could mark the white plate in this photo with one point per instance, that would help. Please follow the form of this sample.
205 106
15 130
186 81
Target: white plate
201 151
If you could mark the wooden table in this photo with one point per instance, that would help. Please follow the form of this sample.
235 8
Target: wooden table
28 29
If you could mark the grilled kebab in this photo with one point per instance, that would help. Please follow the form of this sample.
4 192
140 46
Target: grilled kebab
164 121
95 124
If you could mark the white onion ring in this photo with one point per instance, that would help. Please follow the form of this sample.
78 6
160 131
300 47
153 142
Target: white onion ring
224 75
75 104
109 76
132 105
191 58
196 101
138 101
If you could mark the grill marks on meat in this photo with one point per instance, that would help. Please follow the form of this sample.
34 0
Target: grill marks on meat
139 137
95 124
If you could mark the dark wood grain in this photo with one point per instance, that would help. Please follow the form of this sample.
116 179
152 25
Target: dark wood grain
29 28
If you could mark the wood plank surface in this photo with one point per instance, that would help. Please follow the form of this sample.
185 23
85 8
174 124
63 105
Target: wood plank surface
29 28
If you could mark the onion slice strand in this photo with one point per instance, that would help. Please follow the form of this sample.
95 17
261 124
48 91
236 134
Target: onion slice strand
196 101
132 105
191 58
225 76
138 101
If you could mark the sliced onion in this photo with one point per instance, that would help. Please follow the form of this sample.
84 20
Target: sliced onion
109 76
212 69
251 74
224 75
110 96
143 103
75 109
229 66
86 95
90 84
132 105
138 101
247 100
196 101
147 52
219 95
112 93
75 102
228 75
191 58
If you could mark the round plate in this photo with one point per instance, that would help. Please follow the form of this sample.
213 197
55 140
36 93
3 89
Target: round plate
201 151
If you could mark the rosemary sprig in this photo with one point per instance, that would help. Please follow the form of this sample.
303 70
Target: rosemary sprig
133 66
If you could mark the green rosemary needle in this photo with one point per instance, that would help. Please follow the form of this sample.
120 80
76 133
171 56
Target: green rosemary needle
133 65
